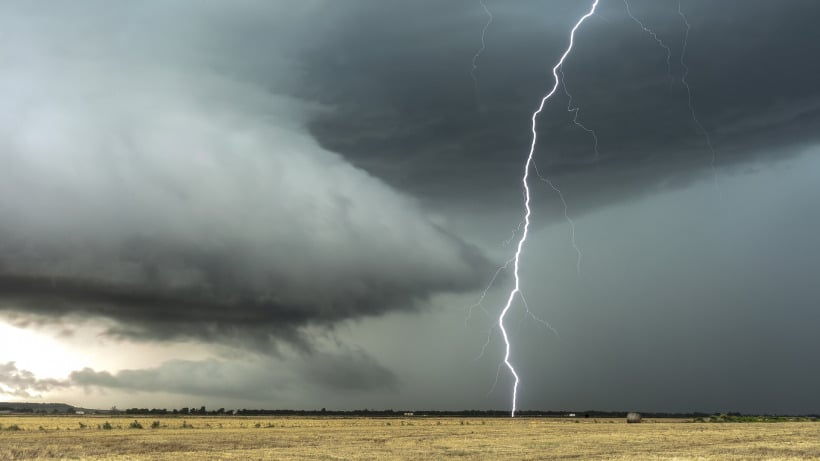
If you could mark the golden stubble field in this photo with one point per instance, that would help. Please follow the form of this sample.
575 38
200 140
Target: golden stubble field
419 438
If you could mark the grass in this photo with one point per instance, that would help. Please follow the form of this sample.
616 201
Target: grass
727 418
235 438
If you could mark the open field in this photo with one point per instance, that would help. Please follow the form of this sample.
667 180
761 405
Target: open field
218 438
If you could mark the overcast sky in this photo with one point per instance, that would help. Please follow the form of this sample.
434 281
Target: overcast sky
300 204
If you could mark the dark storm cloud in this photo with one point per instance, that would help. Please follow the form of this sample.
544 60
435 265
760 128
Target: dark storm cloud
152 174
406 110
252 171
155 175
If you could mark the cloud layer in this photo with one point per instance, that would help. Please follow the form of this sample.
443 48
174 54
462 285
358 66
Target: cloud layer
156 188
256 378
411 94
22 383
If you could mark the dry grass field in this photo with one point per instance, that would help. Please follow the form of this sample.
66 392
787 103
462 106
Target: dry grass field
420 438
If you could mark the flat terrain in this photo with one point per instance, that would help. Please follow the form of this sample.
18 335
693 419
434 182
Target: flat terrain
421 438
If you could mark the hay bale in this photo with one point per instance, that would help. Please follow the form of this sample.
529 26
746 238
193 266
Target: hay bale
633 418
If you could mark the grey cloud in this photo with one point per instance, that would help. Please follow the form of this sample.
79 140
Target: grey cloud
260 379
200 378
23 383
410 95
354 370
157 187
341 372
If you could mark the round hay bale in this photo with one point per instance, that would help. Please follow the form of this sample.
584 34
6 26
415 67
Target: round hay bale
633 418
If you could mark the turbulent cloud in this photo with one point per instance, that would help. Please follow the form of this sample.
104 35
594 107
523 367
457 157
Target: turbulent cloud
201 378
300 177
23 383
417 99
261 378
251 378
157 188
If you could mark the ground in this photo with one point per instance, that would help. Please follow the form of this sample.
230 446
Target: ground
417 437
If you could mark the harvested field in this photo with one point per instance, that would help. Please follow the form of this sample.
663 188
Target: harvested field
225 438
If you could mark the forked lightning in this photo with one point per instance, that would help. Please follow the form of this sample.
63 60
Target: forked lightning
527 211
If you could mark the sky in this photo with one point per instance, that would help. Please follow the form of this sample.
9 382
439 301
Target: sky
289 204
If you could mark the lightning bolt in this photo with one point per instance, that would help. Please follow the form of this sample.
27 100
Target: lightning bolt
657 40
479 304
689 96
575 110
508 241
527 314
566 216
689 99
525 182
483 45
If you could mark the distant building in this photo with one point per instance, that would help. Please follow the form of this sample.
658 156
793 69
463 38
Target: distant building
409 413
79 412
571 415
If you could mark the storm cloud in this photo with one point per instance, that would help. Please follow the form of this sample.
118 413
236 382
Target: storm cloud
410 94
153 187
322 184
